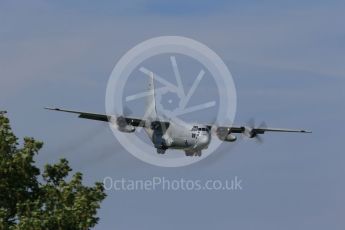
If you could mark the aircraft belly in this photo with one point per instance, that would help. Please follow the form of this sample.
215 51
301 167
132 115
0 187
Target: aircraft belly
182 143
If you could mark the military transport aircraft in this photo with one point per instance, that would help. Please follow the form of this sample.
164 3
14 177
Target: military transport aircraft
164 134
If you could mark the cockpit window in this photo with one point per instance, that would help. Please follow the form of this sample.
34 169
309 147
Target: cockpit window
196 128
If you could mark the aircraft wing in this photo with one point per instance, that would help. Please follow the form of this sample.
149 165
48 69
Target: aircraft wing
101 117
242 129
223 131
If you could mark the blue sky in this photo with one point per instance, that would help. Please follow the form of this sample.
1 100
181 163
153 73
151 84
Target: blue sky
287 60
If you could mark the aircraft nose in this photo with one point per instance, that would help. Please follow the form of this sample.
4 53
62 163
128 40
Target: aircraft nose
204 140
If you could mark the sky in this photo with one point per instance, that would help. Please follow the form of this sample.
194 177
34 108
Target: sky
287 59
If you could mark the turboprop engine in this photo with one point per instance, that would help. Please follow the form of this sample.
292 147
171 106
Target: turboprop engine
224 135
123 126
230 138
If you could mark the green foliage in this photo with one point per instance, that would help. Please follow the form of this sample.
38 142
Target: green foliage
51 203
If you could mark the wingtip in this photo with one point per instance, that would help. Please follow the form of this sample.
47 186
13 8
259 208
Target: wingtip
306 131
50 108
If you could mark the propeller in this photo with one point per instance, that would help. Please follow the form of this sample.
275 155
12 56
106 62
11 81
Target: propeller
214 126
220 131
250 130
120 120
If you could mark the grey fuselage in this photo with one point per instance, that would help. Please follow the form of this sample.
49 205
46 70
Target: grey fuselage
191 138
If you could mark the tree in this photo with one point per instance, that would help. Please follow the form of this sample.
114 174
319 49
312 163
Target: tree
30 202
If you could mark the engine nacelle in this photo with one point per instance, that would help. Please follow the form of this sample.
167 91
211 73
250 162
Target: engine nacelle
224 134
126 129
123 126
230 138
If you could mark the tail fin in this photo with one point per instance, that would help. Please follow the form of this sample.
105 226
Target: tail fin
151 113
